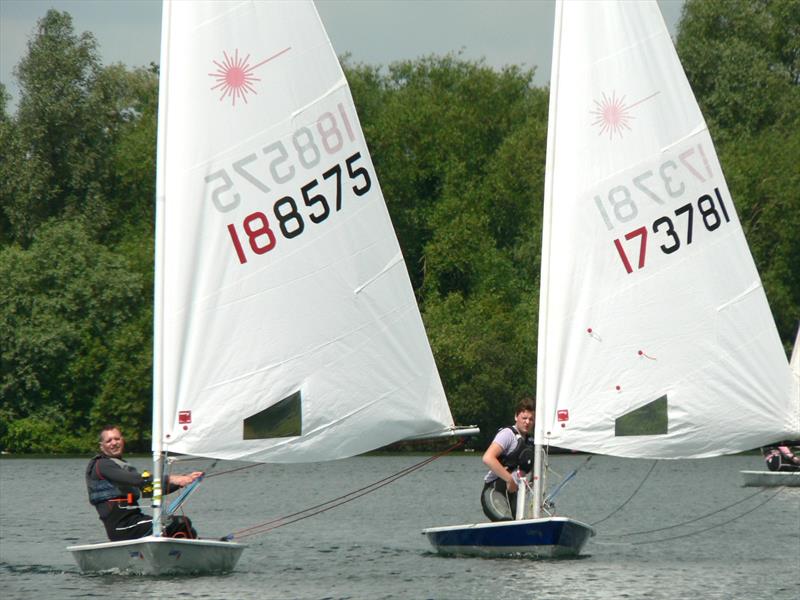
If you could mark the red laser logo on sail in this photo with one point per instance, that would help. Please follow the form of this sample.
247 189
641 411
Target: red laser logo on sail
613 115
235 78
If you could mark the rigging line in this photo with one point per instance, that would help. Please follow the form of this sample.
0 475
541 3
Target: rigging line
232 470
282 522
310 508
621 506
675 537
552 495
719 510
320 508
183 496
286 520
340 500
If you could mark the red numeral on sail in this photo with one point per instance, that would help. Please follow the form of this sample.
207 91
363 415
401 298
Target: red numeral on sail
254 234
642 232
237 245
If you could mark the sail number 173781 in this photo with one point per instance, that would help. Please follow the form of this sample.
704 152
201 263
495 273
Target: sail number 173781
676 229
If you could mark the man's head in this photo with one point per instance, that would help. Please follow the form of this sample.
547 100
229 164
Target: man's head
111 441
524 415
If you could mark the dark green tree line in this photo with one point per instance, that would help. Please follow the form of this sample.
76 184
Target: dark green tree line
76 195
459 149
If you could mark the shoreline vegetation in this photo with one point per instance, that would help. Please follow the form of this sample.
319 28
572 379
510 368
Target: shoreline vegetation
459 150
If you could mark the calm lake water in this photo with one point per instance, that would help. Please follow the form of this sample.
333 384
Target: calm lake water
372 547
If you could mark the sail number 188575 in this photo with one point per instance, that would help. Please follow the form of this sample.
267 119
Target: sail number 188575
257 230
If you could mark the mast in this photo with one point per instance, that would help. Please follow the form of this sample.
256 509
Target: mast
542 420
158 300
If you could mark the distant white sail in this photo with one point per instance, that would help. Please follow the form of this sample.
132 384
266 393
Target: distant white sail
290 331
794 363
655 336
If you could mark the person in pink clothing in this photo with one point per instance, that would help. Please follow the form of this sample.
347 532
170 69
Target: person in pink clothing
511 450
782 457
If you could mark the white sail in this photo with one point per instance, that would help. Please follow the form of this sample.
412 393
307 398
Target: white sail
289 331
794 363
655 336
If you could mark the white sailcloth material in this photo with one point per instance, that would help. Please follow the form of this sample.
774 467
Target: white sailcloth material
634 314
794 363
282 275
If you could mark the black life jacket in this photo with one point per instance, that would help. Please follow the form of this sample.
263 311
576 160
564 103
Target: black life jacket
102 490
522 455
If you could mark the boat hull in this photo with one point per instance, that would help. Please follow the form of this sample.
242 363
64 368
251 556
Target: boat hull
551 537
771 478
158 556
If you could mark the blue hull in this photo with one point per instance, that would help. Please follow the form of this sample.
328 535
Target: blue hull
550 537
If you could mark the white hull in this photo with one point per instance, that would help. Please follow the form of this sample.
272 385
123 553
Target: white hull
158 556
771 478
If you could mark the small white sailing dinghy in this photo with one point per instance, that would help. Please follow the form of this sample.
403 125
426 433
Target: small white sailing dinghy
286 328
771 478
780 478
655 336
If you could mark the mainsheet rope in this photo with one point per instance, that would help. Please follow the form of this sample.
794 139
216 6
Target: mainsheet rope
675 537
681 524
719 510
621 506
335 502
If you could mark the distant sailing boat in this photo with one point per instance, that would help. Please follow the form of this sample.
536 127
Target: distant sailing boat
764 478
655 336
286 328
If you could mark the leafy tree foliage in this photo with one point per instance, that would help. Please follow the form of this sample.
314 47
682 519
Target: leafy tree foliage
64 301
435 115
61 139
76 193
78 129
743 60
442 132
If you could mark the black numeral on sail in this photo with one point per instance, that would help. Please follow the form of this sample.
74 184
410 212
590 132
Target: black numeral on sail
358 172
260 237
669 230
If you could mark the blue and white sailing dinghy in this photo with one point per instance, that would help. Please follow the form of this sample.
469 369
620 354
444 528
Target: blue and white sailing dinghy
655 337
286 328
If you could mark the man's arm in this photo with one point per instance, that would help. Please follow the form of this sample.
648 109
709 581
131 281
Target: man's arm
491 458
106 468
175 482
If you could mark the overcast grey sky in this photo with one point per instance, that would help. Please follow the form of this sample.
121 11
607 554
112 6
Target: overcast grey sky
373 31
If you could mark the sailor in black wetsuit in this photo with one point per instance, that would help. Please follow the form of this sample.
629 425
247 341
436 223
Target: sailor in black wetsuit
512 449
114 487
